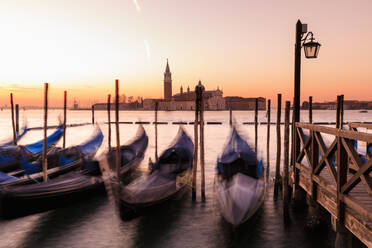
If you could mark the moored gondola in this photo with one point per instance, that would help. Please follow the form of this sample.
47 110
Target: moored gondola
13 157
168 177
67 188
59 160
240 186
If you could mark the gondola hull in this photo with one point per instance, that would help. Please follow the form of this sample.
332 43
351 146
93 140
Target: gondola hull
167 180
241 184
133 204
240 198
63 191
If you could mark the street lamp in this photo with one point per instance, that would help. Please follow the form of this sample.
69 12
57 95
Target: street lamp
311 50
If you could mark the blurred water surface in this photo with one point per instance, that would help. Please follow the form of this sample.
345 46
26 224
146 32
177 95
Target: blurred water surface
94 223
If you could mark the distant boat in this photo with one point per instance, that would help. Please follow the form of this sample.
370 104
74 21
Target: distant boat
240 186
168 177
363 111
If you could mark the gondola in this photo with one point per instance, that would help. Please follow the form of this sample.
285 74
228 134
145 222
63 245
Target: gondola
67 188
131 155
240 185
168 177
13 157
59 161
19 135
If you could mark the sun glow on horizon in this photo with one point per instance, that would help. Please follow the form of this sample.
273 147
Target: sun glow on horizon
245 48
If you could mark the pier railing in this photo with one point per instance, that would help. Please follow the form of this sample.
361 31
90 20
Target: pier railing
336 175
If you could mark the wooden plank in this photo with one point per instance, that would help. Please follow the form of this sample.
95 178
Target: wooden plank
366 137
362 125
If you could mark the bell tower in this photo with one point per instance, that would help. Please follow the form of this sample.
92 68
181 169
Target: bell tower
167 83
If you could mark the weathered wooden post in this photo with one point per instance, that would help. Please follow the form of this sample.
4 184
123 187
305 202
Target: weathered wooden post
341 111
45 144
109 120
338 112
13 124
310 109
343 236
230 116
201 111
255 125
314 216
17 117
64 118
196 141
268 140
285 183
156 129
93 114
118 155
278 145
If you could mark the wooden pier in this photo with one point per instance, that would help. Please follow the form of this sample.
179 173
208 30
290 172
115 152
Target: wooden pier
333 174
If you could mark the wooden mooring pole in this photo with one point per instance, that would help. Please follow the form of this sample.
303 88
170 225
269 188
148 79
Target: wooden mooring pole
93 114
278 146
310 109
13 124
196 141
45 144
118 157
285 183
255 125
268 141
109 120
341 111
17 117
64 118
156 130
201 111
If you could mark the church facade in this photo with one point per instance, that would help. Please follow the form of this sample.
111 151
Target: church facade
184 100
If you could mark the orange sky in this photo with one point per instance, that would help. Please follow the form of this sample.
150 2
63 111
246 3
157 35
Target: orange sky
245 47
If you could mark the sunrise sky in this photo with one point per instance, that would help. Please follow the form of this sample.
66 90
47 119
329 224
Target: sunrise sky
246 47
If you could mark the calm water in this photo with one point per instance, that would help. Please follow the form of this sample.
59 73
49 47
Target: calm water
94 223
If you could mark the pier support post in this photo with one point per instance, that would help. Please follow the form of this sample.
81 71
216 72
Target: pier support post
109 120
64 118
13 122
344 238
17 117
278 146
314 217
268 141
285 184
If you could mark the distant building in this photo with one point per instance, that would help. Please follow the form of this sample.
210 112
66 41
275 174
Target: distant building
348 104
241 103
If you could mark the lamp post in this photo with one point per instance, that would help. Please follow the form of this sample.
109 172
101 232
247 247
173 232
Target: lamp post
311 50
